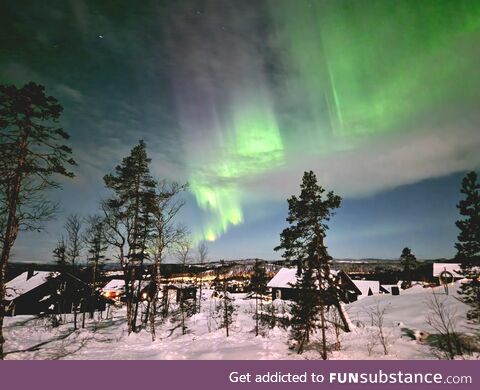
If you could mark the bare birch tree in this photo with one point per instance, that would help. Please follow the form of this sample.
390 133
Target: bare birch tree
73 227
443 319
183 254
377 317
166 234
202 259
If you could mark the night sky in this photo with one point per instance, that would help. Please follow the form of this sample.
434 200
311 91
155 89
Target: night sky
380 98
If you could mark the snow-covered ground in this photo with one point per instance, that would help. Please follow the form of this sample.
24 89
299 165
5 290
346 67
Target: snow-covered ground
32 338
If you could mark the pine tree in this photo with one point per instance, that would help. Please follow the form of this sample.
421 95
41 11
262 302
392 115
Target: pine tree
468 244
258 286
32 151
96 245
303 241
60 255
130 214
306 308
226 309
409 263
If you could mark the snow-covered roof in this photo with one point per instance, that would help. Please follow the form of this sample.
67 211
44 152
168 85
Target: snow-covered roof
21 284
438 268
287 277
284 278
115 285
365 285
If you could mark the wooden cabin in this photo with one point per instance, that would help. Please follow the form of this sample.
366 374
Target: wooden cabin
182 292
446 272
114 290
43 292
282 285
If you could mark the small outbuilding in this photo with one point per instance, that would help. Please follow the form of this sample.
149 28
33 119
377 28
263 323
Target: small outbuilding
181 292
446 272
114 290
282 284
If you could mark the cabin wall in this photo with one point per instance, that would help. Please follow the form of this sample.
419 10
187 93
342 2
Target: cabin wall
286 294
289 294
32 303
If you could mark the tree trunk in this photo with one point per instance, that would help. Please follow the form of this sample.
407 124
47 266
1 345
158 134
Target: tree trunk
133 257
83 315
200 295
324 337
226 317
94 282
256 314
147 313
152 313
166 302
127 273
225 306
182 309
300 346
135 299
137 303
152 316
74 316
343 316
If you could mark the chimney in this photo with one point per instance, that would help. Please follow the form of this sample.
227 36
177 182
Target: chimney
30 271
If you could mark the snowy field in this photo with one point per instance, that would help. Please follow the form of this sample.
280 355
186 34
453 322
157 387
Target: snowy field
29 337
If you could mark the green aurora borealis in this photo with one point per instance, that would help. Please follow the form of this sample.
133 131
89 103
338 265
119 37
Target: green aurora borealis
255 146
349 70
